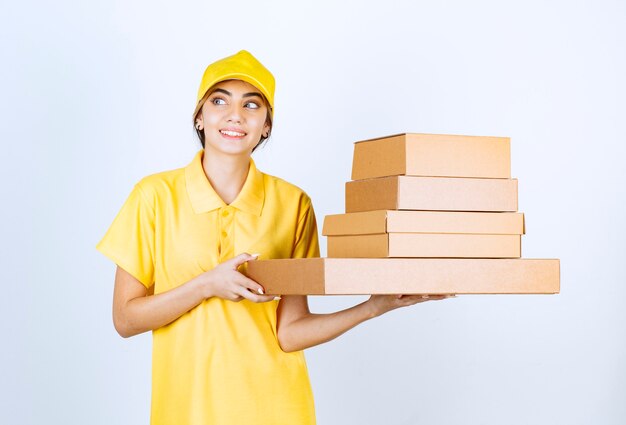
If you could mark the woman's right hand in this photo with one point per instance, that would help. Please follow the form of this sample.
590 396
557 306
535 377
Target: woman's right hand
225 281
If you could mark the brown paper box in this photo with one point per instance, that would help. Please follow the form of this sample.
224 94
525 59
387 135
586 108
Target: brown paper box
432 155
424 245
390 221
431 193
353 276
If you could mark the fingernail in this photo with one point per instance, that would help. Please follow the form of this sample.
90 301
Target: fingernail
260 290
277 298
254 255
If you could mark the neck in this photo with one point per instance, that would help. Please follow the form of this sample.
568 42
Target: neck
226 173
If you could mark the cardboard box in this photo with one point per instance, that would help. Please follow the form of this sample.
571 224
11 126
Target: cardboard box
431 193
392 221
432 155
354 276
424 245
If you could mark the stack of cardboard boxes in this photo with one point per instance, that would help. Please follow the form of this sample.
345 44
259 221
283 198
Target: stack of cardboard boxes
426 195
427 214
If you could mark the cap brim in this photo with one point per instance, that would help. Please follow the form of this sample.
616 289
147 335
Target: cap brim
233 76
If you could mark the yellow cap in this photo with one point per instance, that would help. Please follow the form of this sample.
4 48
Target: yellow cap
240 66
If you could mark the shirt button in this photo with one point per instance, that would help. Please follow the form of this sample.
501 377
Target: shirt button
224 234
224 213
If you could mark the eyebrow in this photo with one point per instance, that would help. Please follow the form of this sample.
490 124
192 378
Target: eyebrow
226 92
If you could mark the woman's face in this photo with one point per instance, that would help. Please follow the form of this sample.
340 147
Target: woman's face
233 118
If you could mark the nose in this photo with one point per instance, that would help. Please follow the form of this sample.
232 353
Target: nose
234 114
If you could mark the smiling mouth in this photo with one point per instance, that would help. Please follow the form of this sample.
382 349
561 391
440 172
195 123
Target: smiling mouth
230 133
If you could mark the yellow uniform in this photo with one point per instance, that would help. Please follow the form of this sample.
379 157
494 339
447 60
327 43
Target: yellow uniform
219 363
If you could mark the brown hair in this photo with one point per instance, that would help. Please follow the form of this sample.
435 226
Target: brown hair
200 133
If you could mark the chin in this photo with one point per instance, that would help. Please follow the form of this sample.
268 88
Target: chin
231 150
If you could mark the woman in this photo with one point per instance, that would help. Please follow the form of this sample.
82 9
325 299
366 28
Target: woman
223 351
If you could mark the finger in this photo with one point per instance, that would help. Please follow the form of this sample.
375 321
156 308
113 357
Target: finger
240 259
255 297
438 297
263 298
408 300
431 297
416 298
250 284
235 297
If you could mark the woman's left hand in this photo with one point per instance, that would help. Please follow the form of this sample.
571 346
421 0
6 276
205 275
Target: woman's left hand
381 304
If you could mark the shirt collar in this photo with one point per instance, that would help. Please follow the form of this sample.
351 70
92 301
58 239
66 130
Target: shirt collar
204 198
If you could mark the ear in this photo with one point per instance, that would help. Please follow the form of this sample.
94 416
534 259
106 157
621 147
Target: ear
199 121
266 128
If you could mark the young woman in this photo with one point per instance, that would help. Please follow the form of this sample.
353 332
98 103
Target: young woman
223 351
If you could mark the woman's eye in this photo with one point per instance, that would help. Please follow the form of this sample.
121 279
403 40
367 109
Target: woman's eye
218 101
252 105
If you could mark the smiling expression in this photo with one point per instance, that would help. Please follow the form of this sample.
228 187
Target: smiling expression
233 118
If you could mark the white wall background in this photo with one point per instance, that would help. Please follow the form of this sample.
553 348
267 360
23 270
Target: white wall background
95 95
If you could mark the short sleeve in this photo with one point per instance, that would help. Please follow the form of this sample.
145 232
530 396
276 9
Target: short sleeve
130 240
307 244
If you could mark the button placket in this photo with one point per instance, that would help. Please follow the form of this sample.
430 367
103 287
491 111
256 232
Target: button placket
226 219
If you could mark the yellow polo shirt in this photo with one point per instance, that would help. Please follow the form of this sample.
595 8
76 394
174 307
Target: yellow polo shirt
219 363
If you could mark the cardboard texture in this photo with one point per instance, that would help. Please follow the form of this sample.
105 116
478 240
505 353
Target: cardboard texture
442 155
425 245
390 221
431 193
353 276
